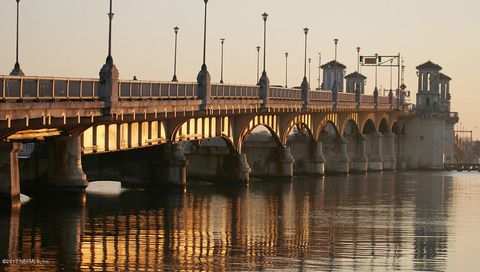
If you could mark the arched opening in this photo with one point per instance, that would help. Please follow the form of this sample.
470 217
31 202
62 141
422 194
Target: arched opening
303 149
384 127
260 145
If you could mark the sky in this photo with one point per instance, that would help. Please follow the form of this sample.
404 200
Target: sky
68 38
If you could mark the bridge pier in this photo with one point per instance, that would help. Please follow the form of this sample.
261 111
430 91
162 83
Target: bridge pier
218 164
389 159
375 160
282 166
308 156
65 165
148 167
401 159
9 174
359 162
340 163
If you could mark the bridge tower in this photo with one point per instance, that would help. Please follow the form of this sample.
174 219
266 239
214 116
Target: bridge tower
355 80
430 134
332 71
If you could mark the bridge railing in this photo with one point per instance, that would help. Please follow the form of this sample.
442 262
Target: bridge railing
281 93
226 91
367 99
133 89
47 88
346 97
320 96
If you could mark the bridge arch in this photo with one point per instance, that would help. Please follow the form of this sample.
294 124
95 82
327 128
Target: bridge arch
269 122
329 123
301 122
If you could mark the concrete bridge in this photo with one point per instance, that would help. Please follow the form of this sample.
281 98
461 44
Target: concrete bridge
150 134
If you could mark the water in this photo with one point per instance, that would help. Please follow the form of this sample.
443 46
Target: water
377 222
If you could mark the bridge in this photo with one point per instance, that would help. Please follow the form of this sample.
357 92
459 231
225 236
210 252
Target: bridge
151 134
134 131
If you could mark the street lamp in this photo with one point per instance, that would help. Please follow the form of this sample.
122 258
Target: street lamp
319 69
305 30
309 69
264 16
258 62
376 69
286 69
110 18
175 59
334 87
16 69
222 40
204 65
358 59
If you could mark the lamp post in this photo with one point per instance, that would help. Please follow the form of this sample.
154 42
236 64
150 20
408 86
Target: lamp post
110 18
309 69
376 69
286 69
305 30
334 87
319 69
204 65
264 16
222 40
174 79
258 62
358 59
16 69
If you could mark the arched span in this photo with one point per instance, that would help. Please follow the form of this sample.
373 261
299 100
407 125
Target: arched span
324 128
350 126
247 131
369 126
203 128
384 126
331 118
304 121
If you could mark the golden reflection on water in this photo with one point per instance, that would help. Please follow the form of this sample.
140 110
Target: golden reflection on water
376 222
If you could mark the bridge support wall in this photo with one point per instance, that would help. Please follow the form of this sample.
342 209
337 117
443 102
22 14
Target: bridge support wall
308 156
217 164
375 159
359 162
340 162
389 158
9 174
148 167
268 160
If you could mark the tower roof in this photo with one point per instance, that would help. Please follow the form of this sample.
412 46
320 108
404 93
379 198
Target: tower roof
331 64
355 75
429 66
444 77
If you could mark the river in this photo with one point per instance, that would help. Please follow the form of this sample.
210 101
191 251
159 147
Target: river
413 221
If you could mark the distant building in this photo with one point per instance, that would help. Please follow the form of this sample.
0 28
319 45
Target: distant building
355 80
332 71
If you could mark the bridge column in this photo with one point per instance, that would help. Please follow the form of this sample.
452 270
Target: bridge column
172 166
65 170
9 174
375 160
401 159
316 166
281 164
359 162
390 162
217 164
340 163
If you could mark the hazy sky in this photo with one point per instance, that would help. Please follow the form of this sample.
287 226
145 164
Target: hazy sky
69 38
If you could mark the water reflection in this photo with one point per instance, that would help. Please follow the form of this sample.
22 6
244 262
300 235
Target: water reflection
376 221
